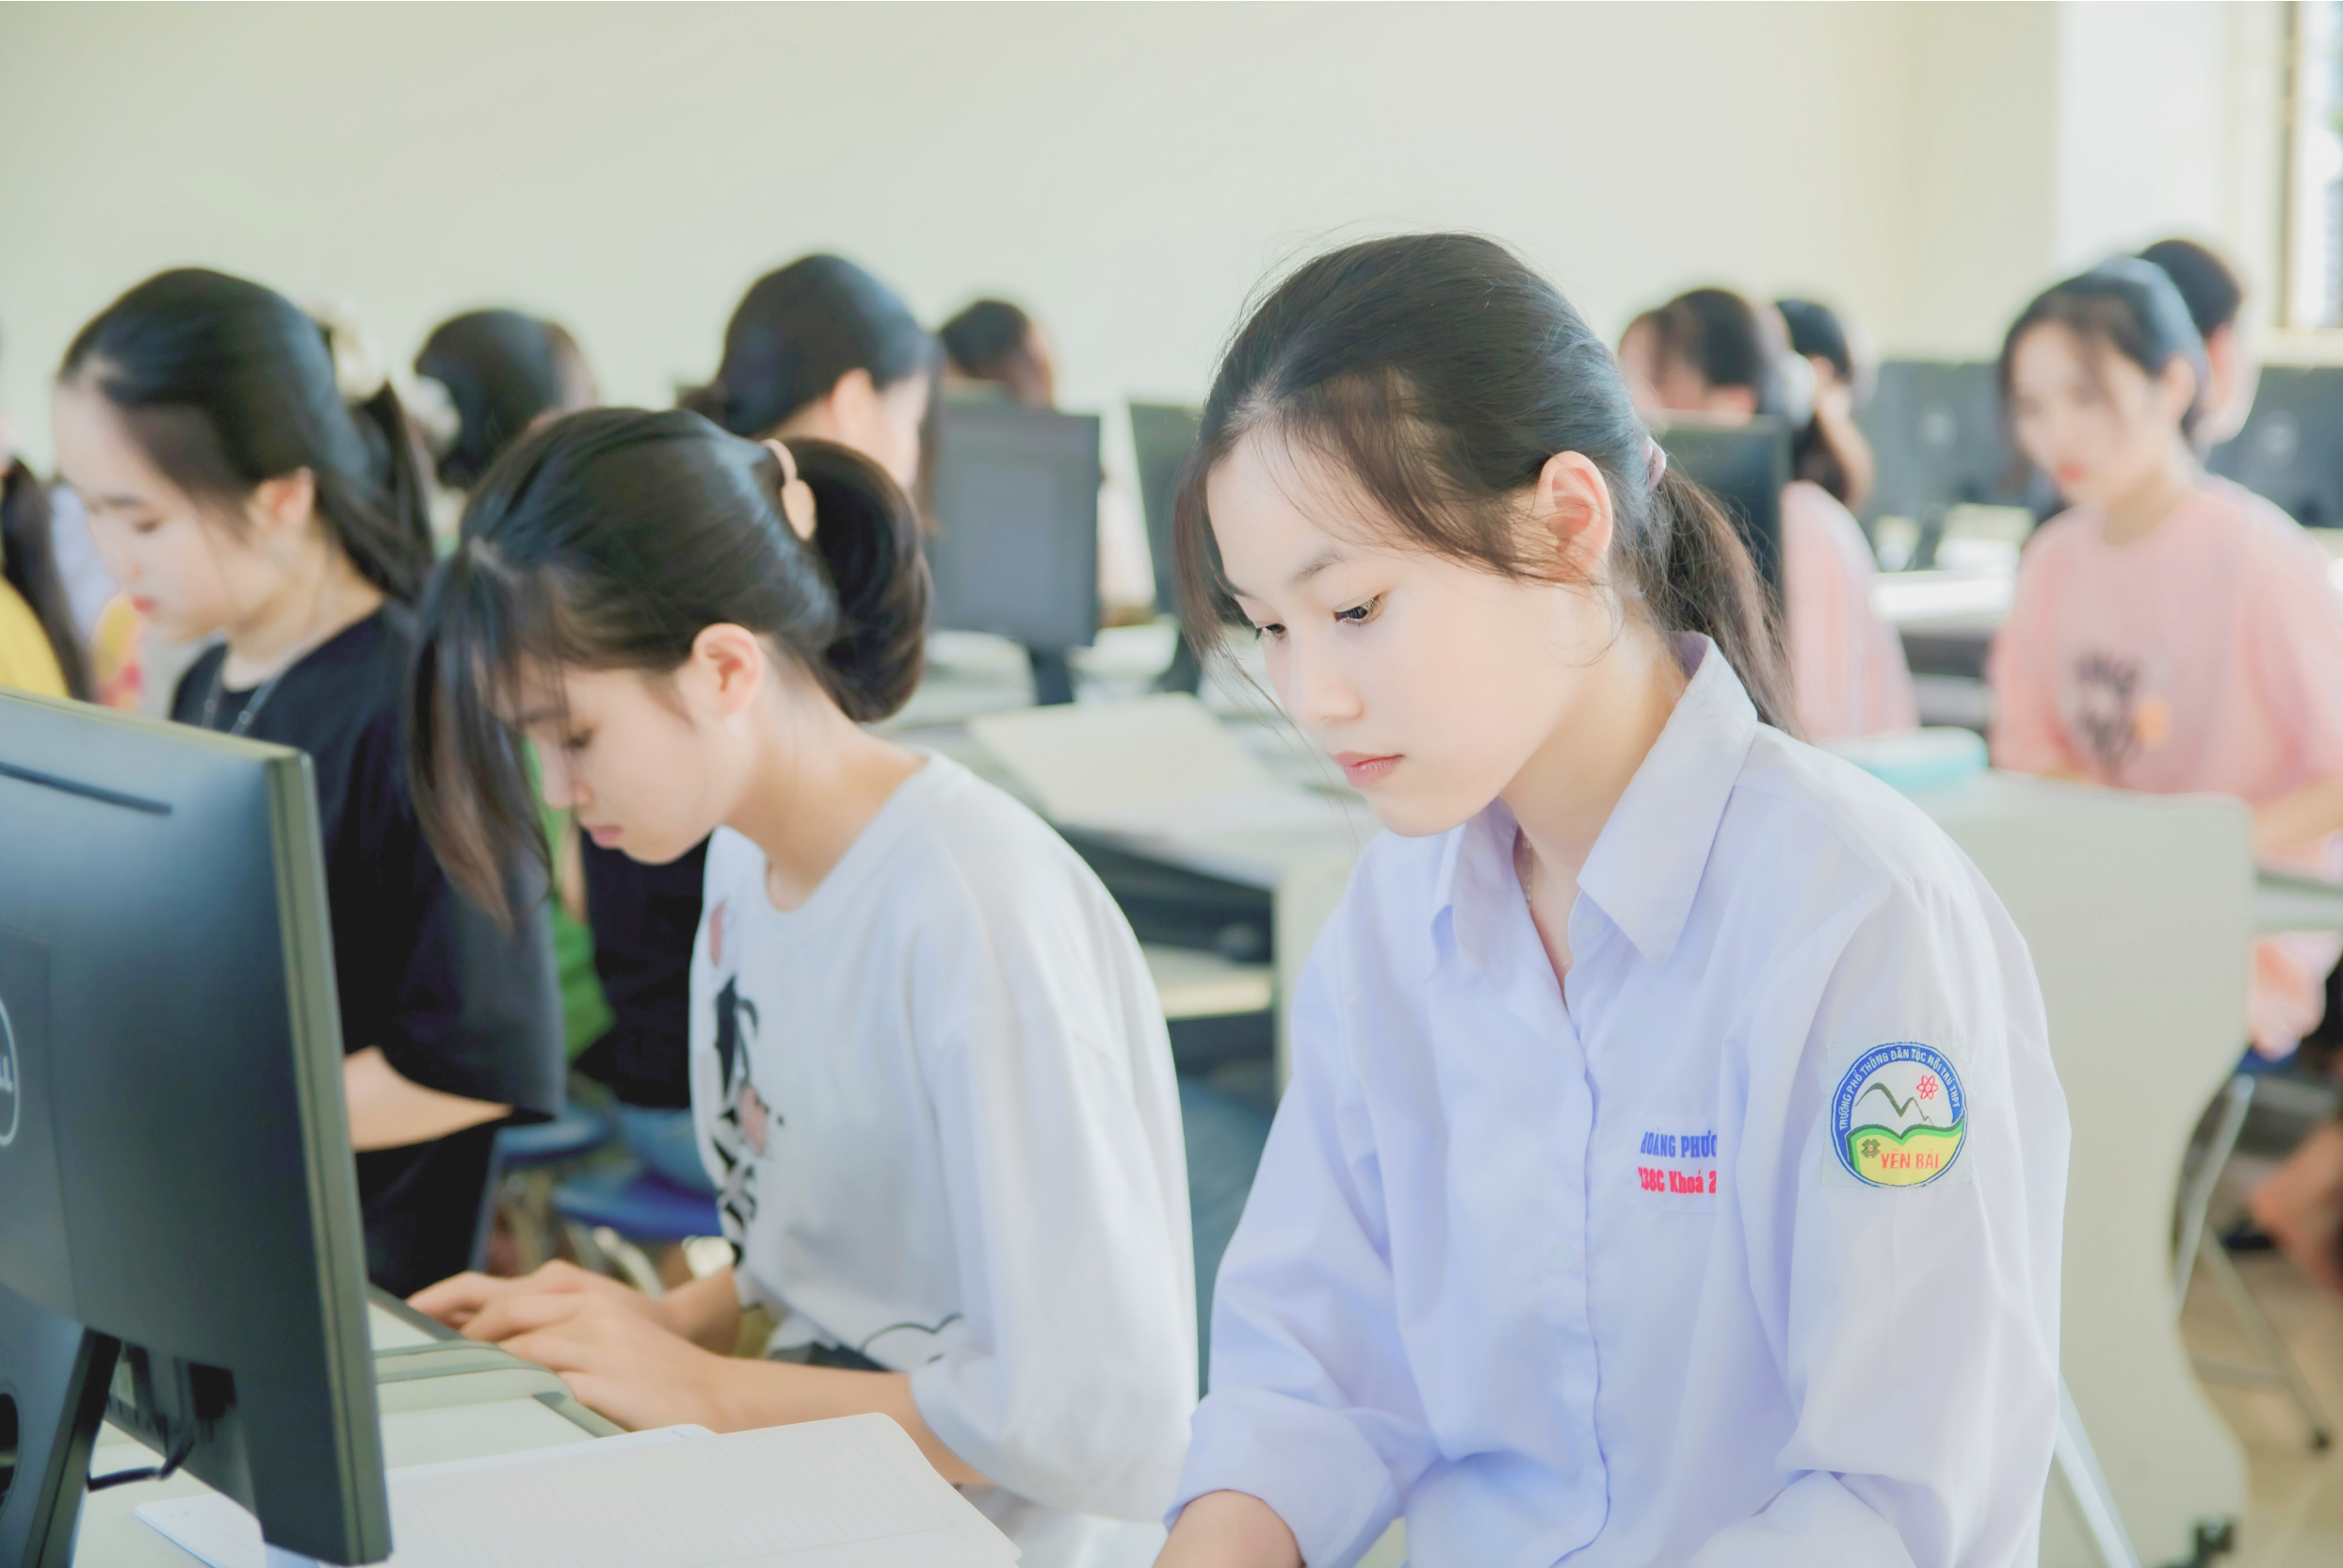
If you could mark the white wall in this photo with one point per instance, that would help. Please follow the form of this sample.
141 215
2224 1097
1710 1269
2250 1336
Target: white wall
1130 172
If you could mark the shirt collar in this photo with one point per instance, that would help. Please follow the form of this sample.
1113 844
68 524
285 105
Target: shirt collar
1645 868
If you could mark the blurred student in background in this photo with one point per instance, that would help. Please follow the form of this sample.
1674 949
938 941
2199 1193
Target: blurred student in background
822 349
2210 288
994 343
244 479
498 373
1713 354
40 648
1831 451
2173 633
57 606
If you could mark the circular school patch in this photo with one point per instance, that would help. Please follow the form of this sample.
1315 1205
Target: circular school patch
1897 1118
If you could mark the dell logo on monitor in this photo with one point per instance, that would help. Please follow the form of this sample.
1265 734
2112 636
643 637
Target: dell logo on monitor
8 1096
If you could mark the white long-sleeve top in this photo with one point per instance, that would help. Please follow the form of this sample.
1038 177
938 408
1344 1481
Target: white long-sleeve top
1741 1248
939 1103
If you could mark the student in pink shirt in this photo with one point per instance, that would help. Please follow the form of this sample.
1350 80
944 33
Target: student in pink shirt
1714 354
2174 632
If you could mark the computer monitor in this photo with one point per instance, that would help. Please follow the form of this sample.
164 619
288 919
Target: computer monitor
1746 468
2291 448
1162 435
179 1248
1936 430
1015 546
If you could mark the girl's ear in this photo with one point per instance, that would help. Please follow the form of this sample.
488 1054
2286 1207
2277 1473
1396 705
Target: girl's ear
2177 388
726 669
1572 506
854 405
284 505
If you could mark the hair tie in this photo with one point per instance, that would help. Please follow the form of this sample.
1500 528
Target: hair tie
1658 464
796 496
359 375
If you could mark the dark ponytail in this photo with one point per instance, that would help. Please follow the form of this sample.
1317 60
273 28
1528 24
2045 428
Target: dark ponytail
870 547
396 460
1441 373
225 384
28 564
1708 585
611 539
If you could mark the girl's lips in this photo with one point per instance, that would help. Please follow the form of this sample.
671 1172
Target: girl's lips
2068 474
144 607
603 837
1363 768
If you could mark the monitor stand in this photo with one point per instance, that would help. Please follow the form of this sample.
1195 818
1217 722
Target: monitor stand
1186 672
1053 676
53 1377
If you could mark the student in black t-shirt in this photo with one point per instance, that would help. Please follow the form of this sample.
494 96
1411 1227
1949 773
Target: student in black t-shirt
232 490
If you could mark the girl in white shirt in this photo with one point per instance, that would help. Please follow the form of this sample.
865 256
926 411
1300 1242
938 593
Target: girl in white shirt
931 1074
1673 1166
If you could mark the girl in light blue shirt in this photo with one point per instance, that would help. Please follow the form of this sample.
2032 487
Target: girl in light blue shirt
1672 1167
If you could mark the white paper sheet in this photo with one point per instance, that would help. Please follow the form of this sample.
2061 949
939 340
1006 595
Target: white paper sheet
848 1494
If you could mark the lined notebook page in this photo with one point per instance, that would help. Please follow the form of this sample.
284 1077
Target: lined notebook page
853 1493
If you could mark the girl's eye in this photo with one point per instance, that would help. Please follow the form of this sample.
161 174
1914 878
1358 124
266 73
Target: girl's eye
576 743
145 526
1359 615
1272 631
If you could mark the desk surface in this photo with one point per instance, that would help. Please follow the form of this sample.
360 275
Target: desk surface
2284 904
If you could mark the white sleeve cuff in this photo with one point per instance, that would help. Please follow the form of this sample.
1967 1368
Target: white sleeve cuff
1309 1464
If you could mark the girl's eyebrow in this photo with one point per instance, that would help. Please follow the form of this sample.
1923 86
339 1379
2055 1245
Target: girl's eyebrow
1330 554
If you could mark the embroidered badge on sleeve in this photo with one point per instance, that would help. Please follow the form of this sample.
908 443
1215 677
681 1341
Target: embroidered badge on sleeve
1898 1117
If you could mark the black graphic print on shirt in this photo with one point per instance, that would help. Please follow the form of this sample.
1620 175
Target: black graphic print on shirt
2115 710
744 1122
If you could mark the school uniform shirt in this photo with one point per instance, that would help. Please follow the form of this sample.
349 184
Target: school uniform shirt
2204 657
1740 1247
938 1100
1848 673
456 1002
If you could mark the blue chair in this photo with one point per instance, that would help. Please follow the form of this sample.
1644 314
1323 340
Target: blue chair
1225 1134
573 1135
524 1169
610 1211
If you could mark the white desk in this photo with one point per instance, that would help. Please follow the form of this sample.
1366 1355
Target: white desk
439 1401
